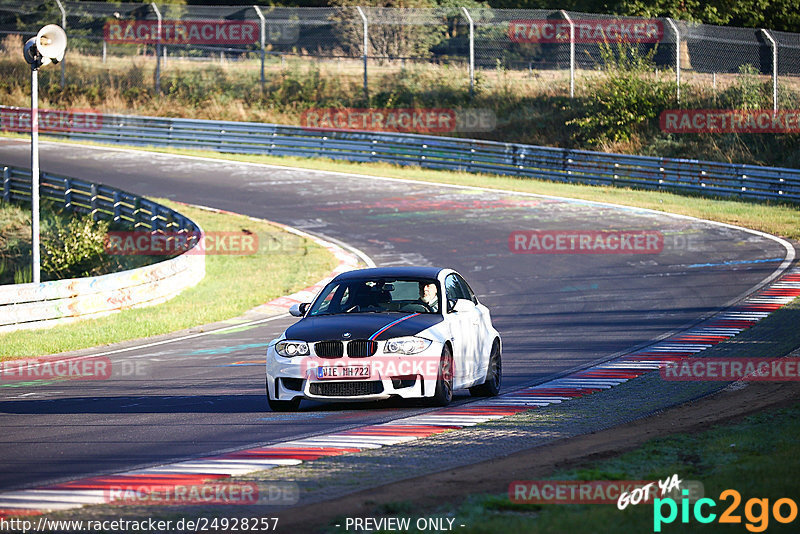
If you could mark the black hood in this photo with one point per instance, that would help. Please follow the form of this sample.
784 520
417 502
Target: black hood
361 326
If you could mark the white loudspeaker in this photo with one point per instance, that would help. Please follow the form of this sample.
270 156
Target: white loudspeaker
47 47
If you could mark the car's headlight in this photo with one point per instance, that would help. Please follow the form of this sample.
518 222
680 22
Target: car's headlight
288 348
407 345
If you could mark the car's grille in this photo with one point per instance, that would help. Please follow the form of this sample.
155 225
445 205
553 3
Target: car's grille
361 348
345 389
329 349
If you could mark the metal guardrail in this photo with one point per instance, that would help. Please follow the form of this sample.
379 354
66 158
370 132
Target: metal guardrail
102 201
48 303
434 152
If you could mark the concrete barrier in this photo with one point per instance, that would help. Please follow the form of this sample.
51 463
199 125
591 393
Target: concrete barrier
27 306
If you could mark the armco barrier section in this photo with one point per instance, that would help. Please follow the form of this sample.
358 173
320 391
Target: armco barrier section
470 155
37 305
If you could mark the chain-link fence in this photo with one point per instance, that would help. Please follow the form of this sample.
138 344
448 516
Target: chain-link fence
146 41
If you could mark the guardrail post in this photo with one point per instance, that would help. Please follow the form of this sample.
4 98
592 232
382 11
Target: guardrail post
566 165
262 40
67 193
677 58
158 48
742 186
471 52
117 209
571 53
6 184
136 210
365 47
93 201
774 69
153 217
64 26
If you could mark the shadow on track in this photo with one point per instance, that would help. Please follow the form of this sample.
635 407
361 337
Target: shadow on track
176 404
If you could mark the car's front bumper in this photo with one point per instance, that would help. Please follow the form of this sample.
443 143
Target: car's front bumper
408 377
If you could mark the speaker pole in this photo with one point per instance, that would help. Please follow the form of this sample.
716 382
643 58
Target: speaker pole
47 47
35 258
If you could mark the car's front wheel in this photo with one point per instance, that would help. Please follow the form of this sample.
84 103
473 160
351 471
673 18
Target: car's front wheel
494 375
444 380
282 406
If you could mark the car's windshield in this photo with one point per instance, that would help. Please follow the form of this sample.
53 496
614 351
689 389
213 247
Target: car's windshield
378 295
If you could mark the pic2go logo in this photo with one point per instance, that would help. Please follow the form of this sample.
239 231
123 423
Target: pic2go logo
756 511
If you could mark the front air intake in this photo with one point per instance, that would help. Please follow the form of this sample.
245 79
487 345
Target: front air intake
361 348
329 349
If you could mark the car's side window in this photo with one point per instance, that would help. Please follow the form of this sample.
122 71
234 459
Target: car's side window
343 297
466 290
452 288
326 302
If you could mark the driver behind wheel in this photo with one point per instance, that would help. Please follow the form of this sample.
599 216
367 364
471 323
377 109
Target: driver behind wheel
429 296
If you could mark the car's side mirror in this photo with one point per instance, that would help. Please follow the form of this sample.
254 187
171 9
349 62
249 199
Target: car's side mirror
299 310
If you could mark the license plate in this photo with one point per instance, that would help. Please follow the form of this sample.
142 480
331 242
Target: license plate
338 372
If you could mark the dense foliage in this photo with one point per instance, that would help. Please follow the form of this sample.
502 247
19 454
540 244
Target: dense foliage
624 101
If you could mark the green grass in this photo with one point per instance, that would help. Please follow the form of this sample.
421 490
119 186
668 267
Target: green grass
232 285
756 457
15 239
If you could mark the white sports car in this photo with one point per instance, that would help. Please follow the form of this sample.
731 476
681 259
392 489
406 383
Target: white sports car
371 334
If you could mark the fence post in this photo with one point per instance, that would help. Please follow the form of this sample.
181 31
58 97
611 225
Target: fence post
64 26
366 44
774 69
471 52
571 53
158 48
677 58
263 40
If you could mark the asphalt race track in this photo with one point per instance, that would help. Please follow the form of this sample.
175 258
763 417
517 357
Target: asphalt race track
556 312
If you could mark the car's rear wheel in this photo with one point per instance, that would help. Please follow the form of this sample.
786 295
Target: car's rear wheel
282 406
444 380
494 375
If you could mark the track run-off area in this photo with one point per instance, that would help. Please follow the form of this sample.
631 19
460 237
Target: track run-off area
558 312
